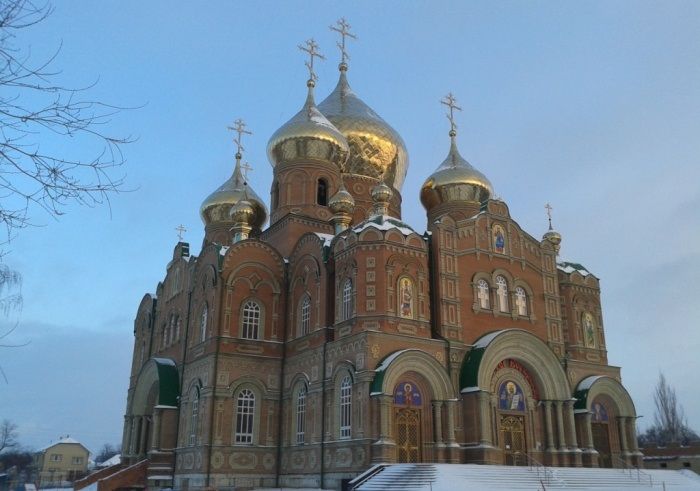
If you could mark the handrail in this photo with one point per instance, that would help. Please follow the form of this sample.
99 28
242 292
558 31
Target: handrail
540 468
365 476
627 468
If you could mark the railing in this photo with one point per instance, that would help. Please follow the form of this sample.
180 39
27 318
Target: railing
634 471
544 474
365 476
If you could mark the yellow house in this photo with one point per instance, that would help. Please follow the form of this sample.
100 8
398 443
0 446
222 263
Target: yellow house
65 460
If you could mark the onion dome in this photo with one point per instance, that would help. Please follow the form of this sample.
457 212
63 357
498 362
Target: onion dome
381 194
218 205
376 149
308 137
551 235
342 202
455 180
242 211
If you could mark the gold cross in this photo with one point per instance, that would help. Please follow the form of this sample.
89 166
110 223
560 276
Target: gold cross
239 127
549 209
344 30
180 230
246 168
451 102
311 48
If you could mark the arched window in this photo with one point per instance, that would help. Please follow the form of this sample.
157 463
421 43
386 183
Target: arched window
322 192
521 300
301 414
345 407
346 308
203 323
275 195
502 293
250 328
305 315
194 417
482 287
245 414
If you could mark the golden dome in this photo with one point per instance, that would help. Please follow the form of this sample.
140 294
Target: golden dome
553 237
308 137
242 211
342 201
376 149
217 207
455 180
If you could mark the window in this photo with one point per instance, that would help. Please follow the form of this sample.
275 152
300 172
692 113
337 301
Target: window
194 417
203 323
322 192
301 414
251 320
245 413
345 407
483 294
521 300
77 460
305 315
56 457
172 330
502 293
346 310
275 195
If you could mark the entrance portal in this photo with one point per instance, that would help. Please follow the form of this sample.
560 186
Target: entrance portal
408 435
513 440
601 442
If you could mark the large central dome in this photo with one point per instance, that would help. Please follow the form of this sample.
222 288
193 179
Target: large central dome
376 149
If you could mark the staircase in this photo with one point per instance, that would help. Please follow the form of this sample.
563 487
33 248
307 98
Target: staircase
474 477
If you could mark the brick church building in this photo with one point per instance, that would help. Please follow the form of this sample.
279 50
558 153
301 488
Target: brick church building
305 344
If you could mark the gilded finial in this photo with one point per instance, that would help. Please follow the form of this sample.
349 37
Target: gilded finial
239 127
344 30
180 229
312 49
450 101
549 209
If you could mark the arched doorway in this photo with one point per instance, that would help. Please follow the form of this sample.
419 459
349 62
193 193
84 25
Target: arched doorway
408 403
600 429
511 423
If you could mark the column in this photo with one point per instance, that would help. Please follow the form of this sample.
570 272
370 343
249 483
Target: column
384 418
127 436
451 440
588 431
631 423
560 424
622 430
569 409
437 422
484 418
155 435
142 436
548 425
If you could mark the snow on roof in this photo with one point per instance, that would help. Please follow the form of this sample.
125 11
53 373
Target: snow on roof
387 361
384 222
588 382
65 439
569 268
164 361
117 459
223 250
325 238
484 341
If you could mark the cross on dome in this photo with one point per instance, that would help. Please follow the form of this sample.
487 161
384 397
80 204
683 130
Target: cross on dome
246 167
344 30
450 101
312 49
239 127
549 209
180 229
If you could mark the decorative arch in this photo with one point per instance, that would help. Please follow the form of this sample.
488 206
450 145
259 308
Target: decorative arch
591 387
392 368
162 374
528 350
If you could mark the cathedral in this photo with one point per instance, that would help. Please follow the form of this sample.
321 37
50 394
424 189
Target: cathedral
311 340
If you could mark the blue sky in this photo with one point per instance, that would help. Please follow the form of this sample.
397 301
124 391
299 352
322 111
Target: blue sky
591 106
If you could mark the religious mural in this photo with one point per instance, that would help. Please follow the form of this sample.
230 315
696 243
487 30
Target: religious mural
407 394
600 413
406 298
510 397
588 330
499 239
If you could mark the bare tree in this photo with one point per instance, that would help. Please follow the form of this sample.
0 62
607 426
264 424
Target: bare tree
8 435
670 424
54 151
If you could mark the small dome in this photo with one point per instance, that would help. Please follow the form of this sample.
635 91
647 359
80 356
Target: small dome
376 149
455 180
553 237
342 202
217 207
381 193
242 211
308 137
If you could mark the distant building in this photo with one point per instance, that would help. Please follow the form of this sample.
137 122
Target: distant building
60 462
673 456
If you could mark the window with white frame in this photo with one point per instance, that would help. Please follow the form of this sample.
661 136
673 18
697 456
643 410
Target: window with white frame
251 320
345 407
203 319
56 457
521 300
305 315
346 308
194 417
77 460
502 293
301 414
483 294
245 417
